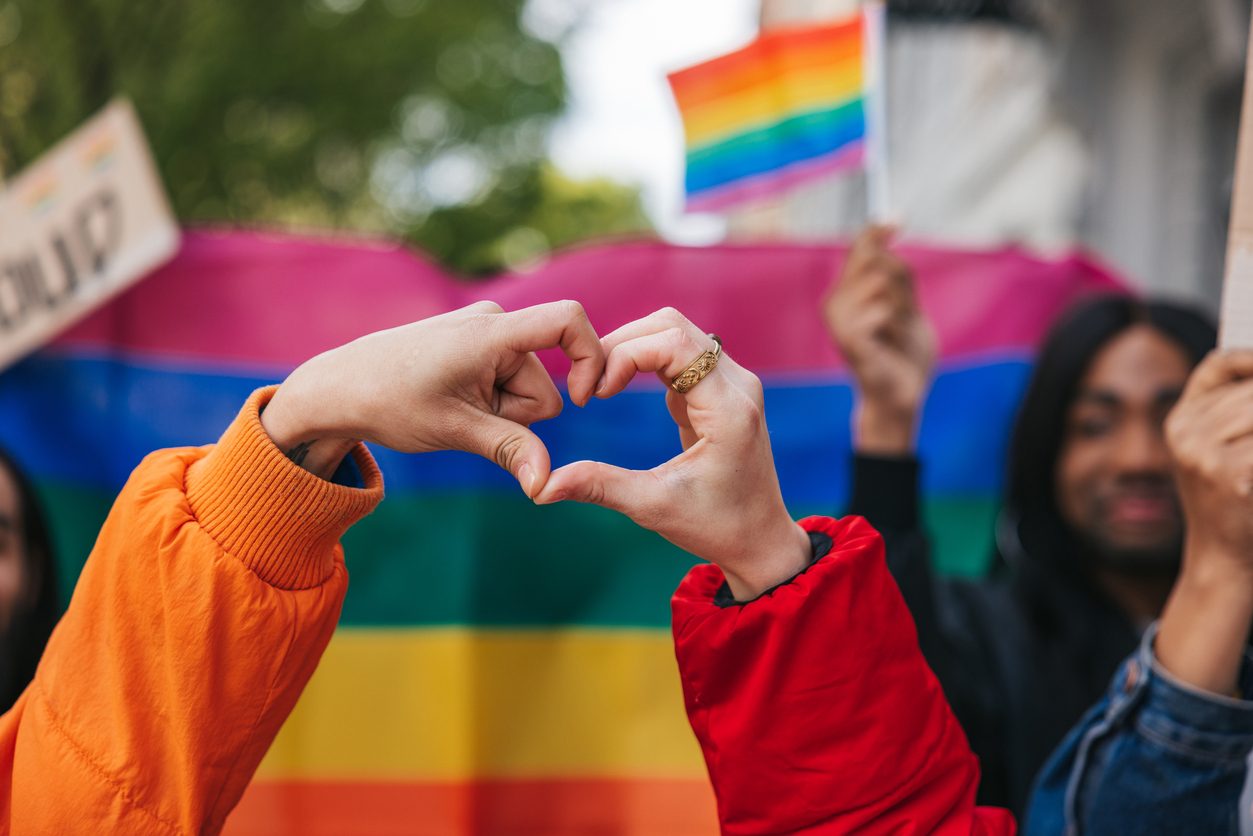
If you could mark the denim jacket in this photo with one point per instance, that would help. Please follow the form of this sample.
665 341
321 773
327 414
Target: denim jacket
1154 756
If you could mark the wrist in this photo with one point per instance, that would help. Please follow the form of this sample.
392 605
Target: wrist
1205 625
785 556
1220 569
885 429
290 421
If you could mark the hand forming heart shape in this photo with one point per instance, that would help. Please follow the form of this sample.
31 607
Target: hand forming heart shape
470 380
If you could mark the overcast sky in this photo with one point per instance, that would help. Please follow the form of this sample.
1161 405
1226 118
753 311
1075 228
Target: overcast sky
622 122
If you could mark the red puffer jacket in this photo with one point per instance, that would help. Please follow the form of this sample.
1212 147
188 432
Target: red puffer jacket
815 709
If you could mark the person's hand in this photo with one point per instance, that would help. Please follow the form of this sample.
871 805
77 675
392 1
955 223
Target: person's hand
873 317
719 499
467 380
1210 432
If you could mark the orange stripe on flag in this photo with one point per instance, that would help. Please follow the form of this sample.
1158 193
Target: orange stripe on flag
573 807
783 47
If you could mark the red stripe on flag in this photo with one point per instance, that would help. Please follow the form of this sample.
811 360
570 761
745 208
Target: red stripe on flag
836 40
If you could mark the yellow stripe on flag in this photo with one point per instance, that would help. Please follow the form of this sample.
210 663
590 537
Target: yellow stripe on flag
456 704
767 104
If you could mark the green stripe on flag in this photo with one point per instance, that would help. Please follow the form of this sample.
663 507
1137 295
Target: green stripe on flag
817 122
493 560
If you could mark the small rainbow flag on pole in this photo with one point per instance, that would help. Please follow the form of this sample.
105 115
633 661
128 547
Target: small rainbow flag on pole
787 107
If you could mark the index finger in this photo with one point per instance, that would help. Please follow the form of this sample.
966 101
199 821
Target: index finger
563 324
667 352
1218 369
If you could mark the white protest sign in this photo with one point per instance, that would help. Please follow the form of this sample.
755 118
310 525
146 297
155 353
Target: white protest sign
1236 323
82 223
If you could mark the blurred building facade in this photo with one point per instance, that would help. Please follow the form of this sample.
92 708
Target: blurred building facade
1106 124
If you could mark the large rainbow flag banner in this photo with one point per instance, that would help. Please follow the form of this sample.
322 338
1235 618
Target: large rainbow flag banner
502 668
783 109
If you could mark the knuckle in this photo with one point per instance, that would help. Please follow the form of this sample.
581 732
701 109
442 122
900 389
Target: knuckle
595 492
1181 431
571 309
1210 464
552 403
487 306
506 450
752 383
671 314
677 338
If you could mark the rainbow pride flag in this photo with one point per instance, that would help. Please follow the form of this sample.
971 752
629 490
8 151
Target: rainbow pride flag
783 109
502 668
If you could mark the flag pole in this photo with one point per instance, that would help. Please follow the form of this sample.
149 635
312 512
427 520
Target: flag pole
874 68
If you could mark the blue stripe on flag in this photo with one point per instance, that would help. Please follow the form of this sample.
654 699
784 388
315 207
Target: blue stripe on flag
89 421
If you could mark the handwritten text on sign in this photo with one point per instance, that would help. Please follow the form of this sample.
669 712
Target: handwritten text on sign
84 222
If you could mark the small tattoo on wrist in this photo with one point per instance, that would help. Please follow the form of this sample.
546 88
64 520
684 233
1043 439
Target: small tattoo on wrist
300 452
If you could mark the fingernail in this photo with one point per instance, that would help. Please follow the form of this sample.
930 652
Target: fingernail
526 477
600 385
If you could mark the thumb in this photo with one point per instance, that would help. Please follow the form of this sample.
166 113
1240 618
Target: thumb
641 495
513 447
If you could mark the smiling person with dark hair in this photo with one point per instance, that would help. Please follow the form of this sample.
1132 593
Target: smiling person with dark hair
1090 477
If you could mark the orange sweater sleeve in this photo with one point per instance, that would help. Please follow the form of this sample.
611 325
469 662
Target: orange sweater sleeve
199 617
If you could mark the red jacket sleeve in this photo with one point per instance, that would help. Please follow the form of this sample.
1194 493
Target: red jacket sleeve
815 709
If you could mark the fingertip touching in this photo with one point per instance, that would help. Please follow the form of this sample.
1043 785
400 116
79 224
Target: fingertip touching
579 341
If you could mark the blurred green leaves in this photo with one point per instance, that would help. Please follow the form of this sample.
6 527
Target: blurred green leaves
420 118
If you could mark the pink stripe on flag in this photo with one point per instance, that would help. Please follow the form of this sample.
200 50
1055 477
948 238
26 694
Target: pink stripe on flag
247 299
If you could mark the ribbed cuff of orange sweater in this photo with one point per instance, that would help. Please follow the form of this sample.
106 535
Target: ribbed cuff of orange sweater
282 521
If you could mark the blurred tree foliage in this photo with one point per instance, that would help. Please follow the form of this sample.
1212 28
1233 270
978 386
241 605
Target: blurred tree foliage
420 118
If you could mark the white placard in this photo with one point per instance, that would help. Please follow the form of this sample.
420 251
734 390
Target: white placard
82 223
1236 322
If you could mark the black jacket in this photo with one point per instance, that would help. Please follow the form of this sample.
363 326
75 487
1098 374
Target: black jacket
1021 655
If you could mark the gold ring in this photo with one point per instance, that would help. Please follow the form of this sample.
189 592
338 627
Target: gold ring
699 368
